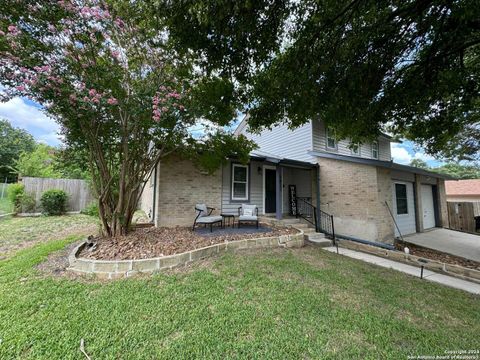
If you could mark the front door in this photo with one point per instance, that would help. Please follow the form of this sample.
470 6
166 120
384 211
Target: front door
428 207
270 191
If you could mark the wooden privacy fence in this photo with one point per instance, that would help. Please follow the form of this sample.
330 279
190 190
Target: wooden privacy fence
464 216
79 194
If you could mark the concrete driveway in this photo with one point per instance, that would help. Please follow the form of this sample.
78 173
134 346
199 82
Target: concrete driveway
448 241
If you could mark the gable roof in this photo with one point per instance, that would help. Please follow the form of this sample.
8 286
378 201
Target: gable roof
463 187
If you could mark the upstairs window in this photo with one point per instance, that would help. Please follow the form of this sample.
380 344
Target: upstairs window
375 150
401 197
239 182
331 140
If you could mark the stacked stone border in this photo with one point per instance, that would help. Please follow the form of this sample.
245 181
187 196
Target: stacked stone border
437 266
124 268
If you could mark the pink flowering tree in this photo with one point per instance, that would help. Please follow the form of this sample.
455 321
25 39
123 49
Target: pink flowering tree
119 91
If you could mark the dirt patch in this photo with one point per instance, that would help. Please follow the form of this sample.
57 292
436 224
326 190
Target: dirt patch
438 255
156 242
57 262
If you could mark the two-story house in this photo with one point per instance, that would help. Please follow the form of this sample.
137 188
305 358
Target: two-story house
300 171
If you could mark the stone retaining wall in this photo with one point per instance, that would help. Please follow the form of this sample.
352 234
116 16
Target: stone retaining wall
437 266
123 268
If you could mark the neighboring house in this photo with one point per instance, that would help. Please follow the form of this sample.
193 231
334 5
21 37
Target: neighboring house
463 190
359 186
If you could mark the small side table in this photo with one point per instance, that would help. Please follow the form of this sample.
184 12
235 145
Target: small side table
230 218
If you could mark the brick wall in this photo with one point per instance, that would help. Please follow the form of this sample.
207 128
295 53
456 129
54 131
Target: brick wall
180 186
355 194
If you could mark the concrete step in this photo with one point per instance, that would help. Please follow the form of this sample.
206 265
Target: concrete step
318 239
320 242
316 236
308 230
301 226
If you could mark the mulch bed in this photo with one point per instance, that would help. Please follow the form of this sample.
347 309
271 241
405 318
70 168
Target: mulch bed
154 242
438 255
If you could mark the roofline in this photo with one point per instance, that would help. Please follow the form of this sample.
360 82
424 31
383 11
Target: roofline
381 163
247 115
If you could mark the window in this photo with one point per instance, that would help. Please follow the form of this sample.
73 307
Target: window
331 141
402 202
355 149
375 150
239 182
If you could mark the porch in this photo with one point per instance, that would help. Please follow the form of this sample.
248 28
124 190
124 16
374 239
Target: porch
278 187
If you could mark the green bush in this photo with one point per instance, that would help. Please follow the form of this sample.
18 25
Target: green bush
91 210
54 202
14 194
13 191
26 203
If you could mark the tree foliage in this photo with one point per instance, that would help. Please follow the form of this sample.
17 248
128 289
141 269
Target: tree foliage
419 163
411 67
13 142
37 163
107 73
459 171
455 170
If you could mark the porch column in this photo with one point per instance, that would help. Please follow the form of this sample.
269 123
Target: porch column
417 194
278 192
317 191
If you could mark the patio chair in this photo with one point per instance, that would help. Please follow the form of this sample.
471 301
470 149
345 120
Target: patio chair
248 213
205 216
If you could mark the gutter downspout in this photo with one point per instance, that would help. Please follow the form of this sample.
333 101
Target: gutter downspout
154 220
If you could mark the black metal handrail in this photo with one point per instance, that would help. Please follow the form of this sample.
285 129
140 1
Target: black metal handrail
306 211
322 221
326 224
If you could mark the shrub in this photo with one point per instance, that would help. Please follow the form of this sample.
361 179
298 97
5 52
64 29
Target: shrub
14 194
91 210
54 202
26 203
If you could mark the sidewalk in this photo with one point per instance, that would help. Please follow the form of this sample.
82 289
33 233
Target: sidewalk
446 280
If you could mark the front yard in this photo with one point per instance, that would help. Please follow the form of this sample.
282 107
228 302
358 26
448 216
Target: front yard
304 303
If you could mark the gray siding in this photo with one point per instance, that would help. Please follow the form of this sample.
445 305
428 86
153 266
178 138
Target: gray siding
281 141
255 189
320 144
303 181
300 177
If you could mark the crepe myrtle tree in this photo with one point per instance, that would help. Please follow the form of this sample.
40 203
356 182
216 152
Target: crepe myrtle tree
118 91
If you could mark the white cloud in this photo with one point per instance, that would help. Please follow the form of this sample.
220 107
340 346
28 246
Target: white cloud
422 156
31 118
400 154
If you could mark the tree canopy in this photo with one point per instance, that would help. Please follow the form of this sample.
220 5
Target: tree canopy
411 67
13 142
107 73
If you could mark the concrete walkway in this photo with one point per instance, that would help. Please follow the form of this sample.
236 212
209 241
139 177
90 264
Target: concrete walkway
448 241
468 286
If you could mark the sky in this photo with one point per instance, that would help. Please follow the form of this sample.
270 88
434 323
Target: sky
27 115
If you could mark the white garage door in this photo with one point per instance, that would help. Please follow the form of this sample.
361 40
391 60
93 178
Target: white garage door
404 207
427 207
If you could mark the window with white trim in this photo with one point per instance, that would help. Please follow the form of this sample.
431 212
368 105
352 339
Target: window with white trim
331 140
375 150
239 182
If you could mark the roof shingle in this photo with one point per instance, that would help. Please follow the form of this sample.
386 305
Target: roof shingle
463 187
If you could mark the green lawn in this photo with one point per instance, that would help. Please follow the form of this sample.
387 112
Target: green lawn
280 304
18 232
